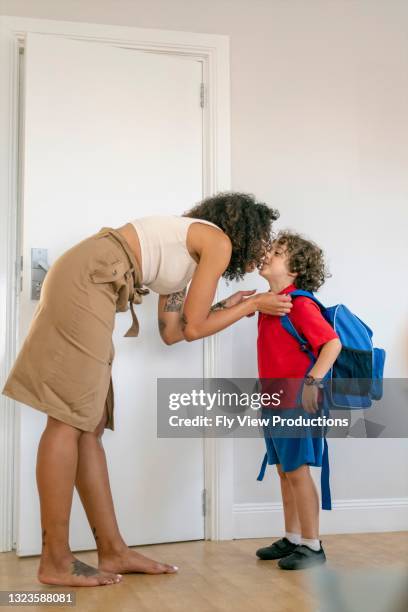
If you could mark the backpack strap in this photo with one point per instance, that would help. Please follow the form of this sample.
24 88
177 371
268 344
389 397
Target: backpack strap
325 478
290 328
325 471
263 467
309 294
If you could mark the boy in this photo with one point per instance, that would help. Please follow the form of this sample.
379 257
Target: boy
296 263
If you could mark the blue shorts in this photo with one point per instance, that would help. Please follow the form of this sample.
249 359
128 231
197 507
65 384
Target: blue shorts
291 453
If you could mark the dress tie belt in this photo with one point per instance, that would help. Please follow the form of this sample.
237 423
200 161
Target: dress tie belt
131 291
136 298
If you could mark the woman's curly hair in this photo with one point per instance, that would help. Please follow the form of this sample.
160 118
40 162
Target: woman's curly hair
248 224
305 258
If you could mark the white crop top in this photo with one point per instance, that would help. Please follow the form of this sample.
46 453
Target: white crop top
167 266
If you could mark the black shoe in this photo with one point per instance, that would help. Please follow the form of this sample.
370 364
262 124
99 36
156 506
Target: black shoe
279 549
302 558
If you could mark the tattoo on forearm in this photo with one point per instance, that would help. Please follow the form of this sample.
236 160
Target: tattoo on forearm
183 321
82 569
94 532
174 302
43 537
219 305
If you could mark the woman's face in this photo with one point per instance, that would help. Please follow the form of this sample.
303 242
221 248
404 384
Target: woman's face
250 267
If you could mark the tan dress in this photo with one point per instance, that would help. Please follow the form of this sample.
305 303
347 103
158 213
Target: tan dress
64 365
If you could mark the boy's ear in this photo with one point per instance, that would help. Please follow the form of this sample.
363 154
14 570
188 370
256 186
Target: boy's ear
293 274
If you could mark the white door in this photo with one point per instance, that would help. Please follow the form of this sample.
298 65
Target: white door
112 134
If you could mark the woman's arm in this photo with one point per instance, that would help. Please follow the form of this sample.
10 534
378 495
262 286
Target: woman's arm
191 317
198 319
170 308
172 320
174 308
171 325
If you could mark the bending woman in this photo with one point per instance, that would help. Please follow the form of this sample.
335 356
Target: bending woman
64 365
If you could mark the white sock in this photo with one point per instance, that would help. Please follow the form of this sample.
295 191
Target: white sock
293 537
313 544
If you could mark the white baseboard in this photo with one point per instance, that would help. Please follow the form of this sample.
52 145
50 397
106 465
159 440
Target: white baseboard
348 516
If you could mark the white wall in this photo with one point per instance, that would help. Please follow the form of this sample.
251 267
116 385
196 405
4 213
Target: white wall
320 131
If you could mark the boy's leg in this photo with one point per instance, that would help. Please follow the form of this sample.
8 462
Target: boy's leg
57 459
310 551
292 523
284 546
307 501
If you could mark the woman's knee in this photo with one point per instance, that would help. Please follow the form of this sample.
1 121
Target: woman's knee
61 426
100 428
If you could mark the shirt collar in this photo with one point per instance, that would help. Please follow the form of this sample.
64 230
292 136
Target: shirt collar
287 289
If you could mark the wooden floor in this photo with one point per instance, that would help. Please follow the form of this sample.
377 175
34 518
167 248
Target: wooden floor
215 576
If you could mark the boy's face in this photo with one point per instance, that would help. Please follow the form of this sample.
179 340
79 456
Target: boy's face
275 265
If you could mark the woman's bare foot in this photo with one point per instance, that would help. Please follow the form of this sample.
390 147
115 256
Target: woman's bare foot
73 572
130 562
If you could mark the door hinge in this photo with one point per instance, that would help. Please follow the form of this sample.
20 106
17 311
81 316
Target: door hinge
202 95
204 501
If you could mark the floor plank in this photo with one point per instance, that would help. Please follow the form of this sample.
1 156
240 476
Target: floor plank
216 576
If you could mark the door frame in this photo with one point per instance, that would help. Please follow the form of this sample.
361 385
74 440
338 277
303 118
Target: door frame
213 52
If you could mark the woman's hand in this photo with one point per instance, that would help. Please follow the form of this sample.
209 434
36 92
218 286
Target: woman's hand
238 297
273 303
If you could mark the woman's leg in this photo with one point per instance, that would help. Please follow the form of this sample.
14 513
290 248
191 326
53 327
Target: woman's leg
56 468
307 500
292 523
92 483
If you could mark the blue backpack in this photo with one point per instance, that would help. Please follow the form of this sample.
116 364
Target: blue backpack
356 376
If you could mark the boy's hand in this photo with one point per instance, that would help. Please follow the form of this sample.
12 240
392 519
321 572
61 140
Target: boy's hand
310 398
273 304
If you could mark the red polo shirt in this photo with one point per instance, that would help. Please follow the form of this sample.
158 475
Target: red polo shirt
279 354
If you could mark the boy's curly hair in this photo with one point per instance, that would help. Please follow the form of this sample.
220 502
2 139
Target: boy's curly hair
248 224
305 258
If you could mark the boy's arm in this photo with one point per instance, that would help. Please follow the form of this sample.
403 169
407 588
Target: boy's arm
320 335
327 356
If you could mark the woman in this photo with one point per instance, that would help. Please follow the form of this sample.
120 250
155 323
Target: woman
64 365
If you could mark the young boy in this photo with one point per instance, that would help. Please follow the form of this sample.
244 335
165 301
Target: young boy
296 263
